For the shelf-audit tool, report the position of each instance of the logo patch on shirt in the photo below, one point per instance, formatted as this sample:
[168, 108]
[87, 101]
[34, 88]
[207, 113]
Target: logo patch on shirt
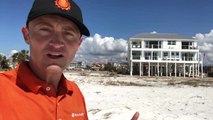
[63, 4]
[77, 115]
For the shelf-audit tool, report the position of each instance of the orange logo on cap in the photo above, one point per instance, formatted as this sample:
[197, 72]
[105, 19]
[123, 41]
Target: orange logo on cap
[63, 4]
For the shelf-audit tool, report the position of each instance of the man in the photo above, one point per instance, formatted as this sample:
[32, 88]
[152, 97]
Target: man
[37, 89]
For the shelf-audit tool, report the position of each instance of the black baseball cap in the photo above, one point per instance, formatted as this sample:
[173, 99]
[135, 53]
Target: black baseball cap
[65, 8]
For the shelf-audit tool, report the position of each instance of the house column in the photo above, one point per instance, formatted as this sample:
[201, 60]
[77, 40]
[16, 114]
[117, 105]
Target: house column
[179, 69]
[161, 53]
[193, 70]
[184, 70]
[131, 68]
[166, 69]
[149, 67]
[198, 68]
[161, 72]
[202, 67]
[196, 71]
[190, 69]
[130, 54]
[158, 69]
[140, 68]
[175, 69]
[199, 60]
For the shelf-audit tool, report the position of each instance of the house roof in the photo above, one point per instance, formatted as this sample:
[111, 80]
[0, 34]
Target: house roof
[161, 35]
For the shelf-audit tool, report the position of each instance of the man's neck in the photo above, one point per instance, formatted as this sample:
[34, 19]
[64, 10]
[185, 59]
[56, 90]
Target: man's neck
[53, 79]
[52, 74]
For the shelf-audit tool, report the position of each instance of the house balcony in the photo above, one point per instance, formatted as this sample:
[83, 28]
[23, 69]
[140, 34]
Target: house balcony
[187, 47]
[139, 58]
[136, 46]
[153, 46]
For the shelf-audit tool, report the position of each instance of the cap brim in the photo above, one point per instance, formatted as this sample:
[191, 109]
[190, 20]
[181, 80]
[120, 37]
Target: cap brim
[83, 29]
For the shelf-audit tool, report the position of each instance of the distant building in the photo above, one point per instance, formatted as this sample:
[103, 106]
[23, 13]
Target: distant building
[76, 65]
[97, 66]
[158, 54]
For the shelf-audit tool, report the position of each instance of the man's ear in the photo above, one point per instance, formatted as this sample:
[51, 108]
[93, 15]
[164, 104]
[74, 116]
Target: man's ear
[25, 33]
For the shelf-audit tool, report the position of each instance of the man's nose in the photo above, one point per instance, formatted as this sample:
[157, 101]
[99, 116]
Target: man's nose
[56, 41]
[56, 45]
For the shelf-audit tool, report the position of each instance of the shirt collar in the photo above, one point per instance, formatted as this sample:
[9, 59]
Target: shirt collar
[28, 81]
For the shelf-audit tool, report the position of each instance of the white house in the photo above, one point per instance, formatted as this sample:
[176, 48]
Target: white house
[159, 54]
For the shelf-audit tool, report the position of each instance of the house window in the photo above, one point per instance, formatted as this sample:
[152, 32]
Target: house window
[171, 42]
[153, 44]
[147, 55]
[188, 56]
[147, 44]
[155, 56]
[175, 54]
[136, 55]
[165, 54]
[136, 44]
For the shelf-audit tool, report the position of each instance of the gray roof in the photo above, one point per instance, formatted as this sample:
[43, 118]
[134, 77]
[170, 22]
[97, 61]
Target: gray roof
[161, 35]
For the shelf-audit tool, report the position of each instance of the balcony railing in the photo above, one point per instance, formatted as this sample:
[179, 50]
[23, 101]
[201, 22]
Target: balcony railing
[136, 57]
[187, 59]
[189, 47]
[151, 58]
[153, 46]
[136, 46]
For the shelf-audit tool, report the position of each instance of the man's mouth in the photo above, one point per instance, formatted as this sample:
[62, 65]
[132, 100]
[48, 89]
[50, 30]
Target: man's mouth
[55, 56]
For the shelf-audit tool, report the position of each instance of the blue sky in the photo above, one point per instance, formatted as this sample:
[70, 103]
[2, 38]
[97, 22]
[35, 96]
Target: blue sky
[124, 18]
[119, 19]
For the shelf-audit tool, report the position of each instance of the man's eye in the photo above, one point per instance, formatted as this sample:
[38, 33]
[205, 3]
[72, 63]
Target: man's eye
[68, 33]
[70, 37]
[44, 31]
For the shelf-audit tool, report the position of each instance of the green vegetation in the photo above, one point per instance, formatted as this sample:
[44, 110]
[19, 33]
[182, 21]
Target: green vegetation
[9, 63]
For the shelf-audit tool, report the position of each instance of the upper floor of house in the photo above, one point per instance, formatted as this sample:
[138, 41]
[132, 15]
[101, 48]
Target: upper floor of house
[162, 41]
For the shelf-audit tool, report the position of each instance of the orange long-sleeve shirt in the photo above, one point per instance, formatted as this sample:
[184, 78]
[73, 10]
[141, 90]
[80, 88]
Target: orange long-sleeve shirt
[25, 97]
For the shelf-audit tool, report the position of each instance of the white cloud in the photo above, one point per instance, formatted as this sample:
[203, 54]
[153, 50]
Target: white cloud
[205, 38]
[205, 42]
[105, 49]
[153, 32]
[8, 55]
[2, 54]
[13, 52]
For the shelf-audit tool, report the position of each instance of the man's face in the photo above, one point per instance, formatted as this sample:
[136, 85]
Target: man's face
[53, 40]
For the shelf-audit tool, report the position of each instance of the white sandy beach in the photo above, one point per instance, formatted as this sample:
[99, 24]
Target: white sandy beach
[119, 97]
